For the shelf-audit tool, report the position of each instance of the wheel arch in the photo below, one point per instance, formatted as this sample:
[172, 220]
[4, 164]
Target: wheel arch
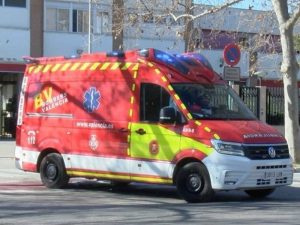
[182, 163]
[184, 157]
[44, 153]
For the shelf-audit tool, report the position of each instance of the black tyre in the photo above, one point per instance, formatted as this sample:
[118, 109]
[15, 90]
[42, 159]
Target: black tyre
[52, 171]
[193, 183]
[260, 193]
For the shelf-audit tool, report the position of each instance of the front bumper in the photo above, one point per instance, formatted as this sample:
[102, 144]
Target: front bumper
[235, 172]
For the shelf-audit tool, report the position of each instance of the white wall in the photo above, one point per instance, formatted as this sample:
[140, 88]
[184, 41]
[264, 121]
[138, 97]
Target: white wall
[14, 44]
[172, 46]
[14, 17]
[14, 33]
[67, 44]
[268, 66]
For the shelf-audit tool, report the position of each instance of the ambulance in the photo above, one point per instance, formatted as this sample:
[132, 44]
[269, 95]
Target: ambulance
[145, 116]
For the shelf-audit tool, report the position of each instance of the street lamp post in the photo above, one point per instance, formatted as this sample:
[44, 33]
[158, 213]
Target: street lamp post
[90, 27]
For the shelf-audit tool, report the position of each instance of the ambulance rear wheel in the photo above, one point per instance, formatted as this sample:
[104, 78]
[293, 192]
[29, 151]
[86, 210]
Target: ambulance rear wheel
[52, 171]
[193, 183]
[260, 193]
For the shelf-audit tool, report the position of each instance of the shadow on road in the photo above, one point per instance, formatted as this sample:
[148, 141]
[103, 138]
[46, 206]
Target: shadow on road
[288, 194]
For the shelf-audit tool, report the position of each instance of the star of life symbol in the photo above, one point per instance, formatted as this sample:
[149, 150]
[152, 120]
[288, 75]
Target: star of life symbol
[93, 143]
[91, 100]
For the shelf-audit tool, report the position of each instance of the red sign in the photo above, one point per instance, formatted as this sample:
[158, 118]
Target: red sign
[232, 54]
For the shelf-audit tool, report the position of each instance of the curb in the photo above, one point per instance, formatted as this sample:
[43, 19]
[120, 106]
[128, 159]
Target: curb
[296, 168]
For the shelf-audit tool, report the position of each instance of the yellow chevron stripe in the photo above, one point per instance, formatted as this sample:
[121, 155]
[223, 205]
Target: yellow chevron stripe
[189, 116]
[75, 66]
[115, 66]
[198, 123]
[65, 67]
[105, 66]
[170, 88]
[55, 68]
[176, 96]
[217, 136]
[84, 66]
[31, 68]
[207, 129]
[132, 99]
[126, 66]
[135, 67]
[38, 68]
[135, 74]
[94, 66]
[133, 87]
[157, 71]
[164, 79]
[46, 68]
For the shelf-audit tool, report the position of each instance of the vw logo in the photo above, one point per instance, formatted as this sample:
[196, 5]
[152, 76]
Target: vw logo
[272, 152]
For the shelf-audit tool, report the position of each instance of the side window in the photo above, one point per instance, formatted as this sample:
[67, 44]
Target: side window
[153, 98]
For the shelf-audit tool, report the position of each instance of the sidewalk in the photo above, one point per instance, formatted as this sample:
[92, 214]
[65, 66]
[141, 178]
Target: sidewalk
[7, 149]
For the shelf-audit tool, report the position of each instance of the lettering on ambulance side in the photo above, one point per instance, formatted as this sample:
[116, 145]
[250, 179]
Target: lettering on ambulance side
[46, 101]
[259, 135]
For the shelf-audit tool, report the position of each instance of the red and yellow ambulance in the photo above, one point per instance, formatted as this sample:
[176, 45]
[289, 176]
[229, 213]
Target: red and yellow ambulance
[145, 116]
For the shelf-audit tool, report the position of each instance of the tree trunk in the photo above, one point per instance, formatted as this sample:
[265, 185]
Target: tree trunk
[289, 69]
[188, 29]
[117, 25]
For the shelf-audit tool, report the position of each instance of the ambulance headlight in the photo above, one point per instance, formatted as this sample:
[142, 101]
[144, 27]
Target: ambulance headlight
[228, 148]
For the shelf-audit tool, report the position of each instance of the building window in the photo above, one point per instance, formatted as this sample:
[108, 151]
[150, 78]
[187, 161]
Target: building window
[14, 3]
[102, 21]
[57, 19]
[80, 21]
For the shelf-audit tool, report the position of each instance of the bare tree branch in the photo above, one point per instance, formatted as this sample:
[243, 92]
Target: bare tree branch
[206, 12]
[295, 16]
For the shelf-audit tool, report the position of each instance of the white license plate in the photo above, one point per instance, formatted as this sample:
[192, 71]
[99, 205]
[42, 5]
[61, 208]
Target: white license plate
[273, 174]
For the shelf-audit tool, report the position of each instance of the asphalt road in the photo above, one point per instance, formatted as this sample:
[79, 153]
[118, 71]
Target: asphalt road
[23, 200]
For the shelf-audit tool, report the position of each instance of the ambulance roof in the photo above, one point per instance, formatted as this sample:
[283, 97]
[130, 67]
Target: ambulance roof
[187, 67]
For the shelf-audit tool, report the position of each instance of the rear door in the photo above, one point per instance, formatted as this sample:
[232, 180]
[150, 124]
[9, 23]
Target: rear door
[100, 134]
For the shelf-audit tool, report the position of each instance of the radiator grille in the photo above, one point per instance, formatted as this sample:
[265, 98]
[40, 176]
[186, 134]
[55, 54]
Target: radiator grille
[261, 152]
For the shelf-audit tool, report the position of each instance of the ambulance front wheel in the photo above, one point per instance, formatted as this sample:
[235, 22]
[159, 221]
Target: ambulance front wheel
[193, 183]
[52, 171]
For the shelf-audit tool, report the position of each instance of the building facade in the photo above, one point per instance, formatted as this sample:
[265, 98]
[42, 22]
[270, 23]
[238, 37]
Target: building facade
[60, 28]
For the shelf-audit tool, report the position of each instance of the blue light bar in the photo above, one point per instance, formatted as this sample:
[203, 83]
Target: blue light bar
[118, 54]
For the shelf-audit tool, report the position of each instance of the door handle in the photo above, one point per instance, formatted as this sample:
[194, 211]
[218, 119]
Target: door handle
[140, 131]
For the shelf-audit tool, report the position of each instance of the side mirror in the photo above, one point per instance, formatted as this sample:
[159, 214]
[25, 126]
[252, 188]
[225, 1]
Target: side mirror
[167, 115]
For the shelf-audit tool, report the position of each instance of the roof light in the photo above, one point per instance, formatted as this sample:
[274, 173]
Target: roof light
[115, 54]
[72, 57]
[144, 52]
[29, 59]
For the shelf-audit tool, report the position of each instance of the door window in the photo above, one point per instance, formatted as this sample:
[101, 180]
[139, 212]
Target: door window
[153, 99]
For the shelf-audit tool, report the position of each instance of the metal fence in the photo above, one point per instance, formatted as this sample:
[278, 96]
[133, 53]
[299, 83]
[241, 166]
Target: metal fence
[250, 96]
[275, 106]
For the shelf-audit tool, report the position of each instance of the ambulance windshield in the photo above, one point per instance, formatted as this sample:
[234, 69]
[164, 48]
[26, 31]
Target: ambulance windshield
[209, 101]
